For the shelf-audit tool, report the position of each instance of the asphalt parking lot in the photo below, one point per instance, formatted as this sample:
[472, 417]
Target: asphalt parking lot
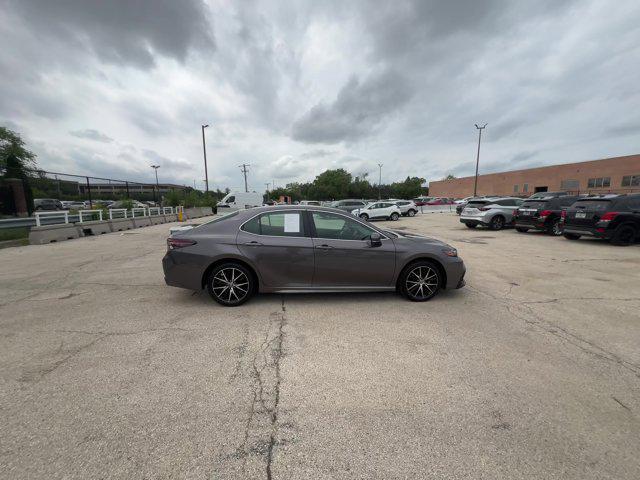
[531, 371]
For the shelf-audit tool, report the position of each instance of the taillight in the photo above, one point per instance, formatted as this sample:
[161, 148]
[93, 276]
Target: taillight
[607, 217]
[563, 215]
[545, 213]
[515, 212]
[484, 209]
[173, 243]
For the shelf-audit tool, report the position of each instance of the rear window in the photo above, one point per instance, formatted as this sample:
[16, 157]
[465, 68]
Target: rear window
[536, 204]
[477, 203]
[596, 205]
[219, 219]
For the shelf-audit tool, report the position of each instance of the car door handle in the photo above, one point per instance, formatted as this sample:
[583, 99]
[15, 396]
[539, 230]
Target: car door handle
[252, 243]
[324, 247]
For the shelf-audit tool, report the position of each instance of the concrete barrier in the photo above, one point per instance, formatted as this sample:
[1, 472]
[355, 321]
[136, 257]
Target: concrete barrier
[207, 211]
[121, 224]
[93, 228]
[156, 219]
[191, 213]
[171, 217]
[53, 233]
[141, 222]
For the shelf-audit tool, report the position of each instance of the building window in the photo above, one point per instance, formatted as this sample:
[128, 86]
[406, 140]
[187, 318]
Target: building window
[631, 181]
[570, 185]
[599, 182]
[516, 188]
[525, 188]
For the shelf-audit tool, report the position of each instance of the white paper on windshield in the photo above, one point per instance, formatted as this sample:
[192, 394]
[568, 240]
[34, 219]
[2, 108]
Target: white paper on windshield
[292, 223]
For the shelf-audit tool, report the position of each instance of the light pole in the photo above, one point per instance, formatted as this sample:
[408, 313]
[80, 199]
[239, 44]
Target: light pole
[475, 183]
[156, 167]
[204, 150]
[379, 180]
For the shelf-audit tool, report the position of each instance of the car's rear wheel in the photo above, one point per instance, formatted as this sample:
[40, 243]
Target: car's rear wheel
[522, 229]
[571, 236]
[623, 236]
[555, 228]
[497, 223]
[364, 216]
[230, 284]
[420, 281]
[394, 216]
[411, 213]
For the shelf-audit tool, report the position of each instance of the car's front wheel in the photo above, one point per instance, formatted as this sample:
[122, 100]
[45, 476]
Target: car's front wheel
[230, 284]
[364, 216]
[411, 213]
[420, 281]
[555, 228]
[394, 216]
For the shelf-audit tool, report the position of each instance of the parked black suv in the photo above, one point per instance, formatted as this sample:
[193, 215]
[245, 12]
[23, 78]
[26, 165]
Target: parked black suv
[612, 217]
[543, 213]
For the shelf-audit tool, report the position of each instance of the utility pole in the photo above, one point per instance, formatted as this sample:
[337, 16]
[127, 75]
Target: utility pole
[157, 190]
[204, 150]
[243, 167]
[267, 193]
[380, 180]
[475, 183]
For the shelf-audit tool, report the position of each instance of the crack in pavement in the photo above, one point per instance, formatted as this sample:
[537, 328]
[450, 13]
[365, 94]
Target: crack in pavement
[262, 420]
[532, 318]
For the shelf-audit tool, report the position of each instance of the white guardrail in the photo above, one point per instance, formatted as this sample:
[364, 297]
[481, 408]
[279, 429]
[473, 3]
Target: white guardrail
[134, 210]
[154, 209]
[65, 213]
[117, 210]
[82, 212]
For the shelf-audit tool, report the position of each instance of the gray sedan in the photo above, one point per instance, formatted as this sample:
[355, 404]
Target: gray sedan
[305, 249]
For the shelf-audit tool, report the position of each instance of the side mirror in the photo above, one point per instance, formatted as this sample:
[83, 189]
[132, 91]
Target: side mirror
[375, 240]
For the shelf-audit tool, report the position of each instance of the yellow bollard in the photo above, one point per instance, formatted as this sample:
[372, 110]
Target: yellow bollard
[180, 216]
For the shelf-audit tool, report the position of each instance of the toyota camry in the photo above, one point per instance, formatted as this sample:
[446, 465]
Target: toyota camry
[306, 249]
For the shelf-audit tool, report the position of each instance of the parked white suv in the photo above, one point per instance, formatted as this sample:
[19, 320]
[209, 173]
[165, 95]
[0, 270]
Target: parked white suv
[375, 210]
[407, 207]
[495, 213]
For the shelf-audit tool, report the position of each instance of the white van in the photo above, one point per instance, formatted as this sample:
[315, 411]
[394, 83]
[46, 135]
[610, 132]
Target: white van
[241, 200]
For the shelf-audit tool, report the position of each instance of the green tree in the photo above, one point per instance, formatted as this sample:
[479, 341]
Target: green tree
[15, 160]
[450, 177]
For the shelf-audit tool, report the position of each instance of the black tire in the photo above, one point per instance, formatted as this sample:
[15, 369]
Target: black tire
[522, 229]
[471, 225]
[555, 227]
[226, 273]
[624, 235]
[394, 217]
[411, 213]
[364, 217]
[497, 223]
[420, 281]
[571, 236]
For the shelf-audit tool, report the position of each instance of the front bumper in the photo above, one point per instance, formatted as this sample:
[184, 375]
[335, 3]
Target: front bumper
[455, 270]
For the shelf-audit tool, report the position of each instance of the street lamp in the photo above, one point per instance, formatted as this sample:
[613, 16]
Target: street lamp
[475, 184]
[156, 167]
[204, 150]
[380, 180]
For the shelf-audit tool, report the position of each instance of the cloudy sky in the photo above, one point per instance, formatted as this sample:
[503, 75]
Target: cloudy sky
[293, 88]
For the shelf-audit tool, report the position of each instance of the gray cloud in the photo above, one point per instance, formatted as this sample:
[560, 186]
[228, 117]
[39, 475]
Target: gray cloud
[92, 134]
[358, 109]
[123, 31]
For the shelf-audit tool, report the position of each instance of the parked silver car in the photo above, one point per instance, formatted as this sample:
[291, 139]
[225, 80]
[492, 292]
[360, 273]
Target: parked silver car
[495, 213]
[303, 249]
[407, 208]
[349, 205]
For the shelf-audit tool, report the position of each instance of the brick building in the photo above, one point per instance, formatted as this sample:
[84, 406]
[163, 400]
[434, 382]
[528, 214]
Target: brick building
[609, 175]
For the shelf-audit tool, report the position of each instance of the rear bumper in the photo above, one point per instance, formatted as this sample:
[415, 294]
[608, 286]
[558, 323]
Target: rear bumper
[180, 272]
[590, 232]
[530, 225]
[469, 220]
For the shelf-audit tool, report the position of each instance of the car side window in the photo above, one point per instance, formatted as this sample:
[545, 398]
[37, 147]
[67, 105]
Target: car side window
[276, 224]
[337, 227]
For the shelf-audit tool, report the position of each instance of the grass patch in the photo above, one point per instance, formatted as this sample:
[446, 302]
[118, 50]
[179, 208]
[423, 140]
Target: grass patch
[13, 233]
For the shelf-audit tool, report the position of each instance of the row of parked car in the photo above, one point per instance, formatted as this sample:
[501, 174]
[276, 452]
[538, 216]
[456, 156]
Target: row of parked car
[611, 217]
[52, 204]
[390, 209]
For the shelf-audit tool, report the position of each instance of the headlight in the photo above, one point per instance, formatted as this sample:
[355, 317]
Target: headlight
[450, 252]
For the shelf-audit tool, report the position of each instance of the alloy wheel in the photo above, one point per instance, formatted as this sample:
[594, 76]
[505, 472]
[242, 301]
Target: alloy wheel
[421, 283]
[230, 285]
[411, 213]
[556, 228]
